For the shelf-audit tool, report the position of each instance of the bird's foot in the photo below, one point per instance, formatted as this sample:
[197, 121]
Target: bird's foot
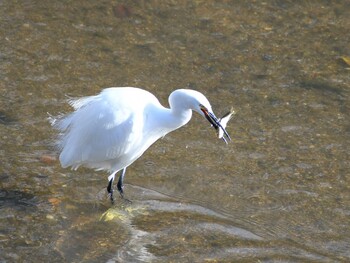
[121, 192]
[110, 195]
[126, 200]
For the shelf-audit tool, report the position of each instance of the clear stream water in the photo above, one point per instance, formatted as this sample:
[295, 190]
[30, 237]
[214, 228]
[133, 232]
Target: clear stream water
[278, 193]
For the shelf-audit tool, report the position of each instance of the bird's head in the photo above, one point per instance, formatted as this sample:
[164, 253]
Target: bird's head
[194, 100]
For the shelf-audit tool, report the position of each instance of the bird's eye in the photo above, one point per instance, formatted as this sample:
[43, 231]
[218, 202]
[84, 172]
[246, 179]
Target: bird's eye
[203, 108]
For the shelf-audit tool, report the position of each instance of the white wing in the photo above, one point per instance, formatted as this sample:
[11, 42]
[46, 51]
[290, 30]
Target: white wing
[104, 129]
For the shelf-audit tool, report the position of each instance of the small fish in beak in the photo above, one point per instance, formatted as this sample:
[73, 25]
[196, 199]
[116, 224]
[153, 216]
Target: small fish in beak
[215, 122]
[223, 123]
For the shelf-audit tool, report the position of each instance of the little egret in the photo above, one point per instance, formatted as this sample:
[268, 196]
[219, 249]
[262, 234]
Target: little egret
[111, 130]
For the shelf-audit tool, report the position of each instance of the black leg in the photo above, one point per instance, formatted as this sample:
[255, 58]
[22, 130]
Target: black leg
[110, 189]
[120, 183]
[119, 186]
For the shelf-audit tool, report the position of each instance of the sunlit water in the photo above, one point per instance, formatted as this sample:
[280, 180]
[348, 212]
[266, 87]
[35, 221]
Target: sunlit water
[278, 193]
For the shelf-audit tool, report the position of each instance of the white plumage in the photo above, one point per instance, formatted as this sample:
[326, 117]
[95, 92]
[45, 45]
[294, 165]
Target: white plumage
[111, 130]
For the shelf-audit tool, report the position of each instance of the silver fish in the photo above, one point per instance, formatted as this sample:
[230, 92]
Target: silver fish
[223, 121]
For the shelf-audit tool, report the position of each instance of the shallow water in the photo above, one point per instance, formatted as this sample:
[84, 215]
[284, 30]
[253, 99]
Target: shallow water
[278, 193]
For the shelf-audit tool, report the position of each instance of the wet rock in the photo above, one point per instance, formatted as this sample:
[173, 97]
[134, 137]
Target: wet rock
[121, 11]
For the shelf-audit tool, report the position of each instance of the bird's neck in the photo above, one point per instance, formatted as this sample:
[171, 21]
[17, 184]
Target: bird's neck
[171, 119]
[178, 118]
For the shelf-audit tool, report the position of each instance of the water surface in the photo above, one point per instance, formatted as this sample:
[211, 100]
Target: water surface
[278, 193]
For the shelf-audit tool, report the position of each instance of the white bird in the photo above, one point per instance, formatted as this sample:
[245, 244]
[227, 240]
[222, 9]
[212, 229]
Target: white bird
[111, 130]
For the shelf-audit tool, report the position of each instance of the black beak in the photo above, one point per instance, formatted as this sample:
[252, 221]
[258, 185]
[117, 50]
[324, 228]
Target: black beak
[216, 123]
